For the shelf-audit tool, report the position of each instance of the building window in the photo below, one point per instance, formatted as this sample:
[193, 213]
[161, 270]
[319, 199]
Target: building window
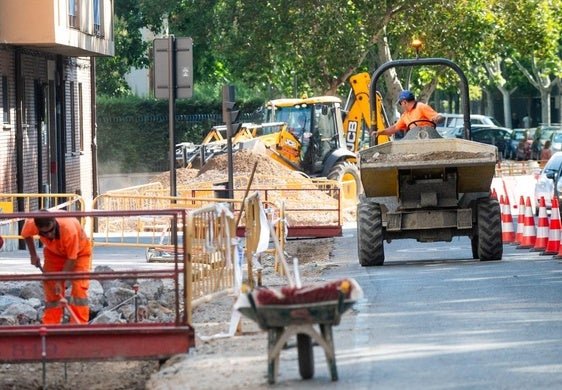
[81, 117]
[72, 118]
[5, 100]
[98, 17]
[73, 13]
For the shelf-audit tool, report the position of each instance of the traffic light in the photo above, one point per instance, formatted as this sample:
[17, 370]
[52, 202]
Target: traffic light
[230, 114]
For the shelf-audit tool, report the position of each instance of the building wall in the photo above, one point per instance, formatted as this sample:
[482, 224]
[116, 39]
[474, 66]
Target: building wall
[46, 57]
[7, 133]
[75, 140]
[81, 157]
[33, 70]
[47, 24]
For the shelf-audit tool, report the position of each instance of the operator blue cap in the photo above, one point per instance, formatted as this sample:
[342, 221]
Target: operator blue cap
[406, 95]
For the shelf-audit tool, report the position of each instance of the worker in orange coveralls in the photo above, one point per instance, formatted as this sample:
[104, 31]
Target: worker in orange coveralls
[67, 249]
[413, 111]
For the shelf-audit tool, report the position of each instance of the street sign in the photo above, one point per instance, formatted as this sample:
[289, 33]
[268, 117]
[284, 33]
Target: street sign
[184, 68]
[182, 59]
[161, 65]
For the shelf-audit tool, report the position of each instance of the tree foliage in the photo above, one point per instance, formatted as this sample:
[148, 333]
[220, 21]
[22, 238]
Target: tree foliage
[131, 49]
[288, 47]
[531, 31]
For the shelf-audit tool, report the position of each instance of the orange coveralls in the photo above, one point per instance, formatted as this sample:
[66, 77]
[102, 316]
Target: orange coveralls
[418, 112]
[70, 242]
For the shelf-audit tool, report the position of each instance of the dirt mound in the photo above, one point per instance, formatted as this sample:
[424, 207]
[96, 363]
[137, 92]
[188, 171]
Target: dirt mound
[269, 174]
[216, 169]
[243, 163]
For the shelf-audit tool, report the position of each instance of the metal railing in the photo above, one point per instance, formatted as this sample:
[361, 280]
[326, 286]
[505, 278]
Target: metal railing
[153, 339]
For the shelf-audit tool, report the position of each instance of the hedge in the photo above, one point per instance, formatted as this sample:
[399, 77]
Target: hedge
[132, 133]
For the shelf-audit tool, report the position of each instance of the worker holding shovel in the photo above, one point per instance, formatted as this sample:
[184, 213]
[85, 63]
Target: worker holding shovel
[66, 249]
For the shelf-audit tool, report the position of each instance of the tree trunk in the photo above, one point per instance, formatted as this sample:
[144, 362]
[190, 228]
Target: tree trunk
[393, 84]
[545, 106]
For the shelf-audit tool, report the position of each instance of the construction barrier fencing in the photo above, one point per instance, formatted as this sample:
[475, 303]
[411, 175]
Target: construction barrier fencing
[143, 230]
[260, 221]
[519, 168]
[211, 236]
[213, 254]
[313, 207]
[9, 228]
[139, 189]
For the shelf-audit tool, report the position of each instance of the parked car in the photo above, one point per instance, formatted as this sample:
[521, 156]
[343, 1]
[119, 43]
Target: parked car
[549, 184]
[552, 132]
[545, 133]
[516, 136]
[491, 135]
[556, 140]
[476, 119]
[498, 136]
[453, 121]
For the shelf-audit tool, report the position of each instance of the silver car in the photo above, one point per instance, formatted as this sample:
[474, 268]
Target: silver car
[548, 183]
[556, 141]
[452, 122]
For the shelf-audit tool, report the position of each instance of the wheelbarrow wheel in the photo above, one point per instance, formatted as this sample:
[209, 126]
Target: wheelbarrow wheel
[306, 356]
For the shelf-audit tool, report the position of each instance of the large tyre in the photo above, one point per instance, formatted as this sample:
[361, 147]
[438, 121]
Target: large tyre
[306, 356]
[345, 171]
[369, 233]
[488, 218]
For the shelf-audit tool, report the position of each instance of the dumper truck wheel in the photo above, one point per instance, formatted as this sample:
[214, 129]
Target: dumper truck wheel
[369, 233]
[348, 173]
[489, 237]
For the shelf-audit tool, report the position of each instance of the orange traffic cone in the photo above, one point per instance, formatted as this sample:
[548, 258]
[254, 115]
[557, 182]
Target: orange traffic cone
[494, 194]
[542, 228]
[508, 234]
[529, 230]
[506, 200]
[520, 221]
[553, 245]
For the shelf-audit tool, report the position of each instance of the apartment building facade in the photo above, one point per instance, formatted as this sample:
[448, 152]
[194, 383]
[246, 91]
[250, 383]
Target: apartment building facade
[47, 93]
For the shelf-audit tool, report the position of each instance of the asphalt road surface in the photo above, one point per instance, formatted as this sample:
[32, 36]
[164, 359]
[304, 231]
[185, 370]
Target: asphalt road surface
[431, 318]
[434, 318]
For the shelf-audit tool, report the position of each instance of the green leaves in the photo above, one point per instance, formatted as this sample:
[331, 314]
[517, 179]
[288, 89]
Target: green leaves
[289, 47]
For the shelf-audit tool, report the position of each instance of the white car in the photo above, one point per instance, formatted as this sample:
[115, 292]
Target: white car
[548, 185]
[556, 142]
[454, 121]
[477, 119]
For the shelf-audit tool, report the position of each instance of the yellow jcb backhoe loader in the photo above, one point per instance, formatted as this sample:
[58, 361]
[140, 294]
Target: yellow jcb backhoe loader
[307, 135]
[358, 122]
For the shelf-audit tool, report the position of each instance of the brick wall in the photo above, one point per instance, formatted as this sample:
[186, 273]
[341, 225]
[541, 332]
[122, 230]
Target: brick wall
[74, 142]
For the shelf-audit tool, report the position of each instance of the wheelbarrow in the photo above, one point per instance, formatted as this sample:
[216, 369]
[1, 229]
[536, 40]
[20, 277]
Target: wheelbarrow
[296, 312]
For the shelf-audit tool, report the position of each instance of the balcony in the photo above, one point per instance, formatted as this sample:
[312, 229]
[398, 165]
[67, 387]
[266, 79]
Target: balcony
[49, 26]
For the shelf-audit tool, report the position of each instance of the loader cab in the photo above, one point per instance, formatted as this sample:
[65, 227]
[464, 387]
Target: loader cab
[316, 125]
[326, 135]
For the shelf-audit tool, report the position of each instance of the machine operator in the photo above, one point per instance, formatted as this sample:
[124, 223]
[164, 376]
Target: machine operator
[412, 110]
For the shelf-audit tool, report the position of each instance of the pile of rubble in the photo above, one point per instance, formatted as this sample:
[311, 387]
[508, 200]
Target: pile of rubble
[299, 193]
[216, 169]
[428, 156]
[110, 301]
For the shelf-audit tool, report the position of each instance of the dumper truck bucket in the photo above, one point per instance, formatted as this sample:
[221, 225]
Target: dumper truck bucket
[379, 165]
